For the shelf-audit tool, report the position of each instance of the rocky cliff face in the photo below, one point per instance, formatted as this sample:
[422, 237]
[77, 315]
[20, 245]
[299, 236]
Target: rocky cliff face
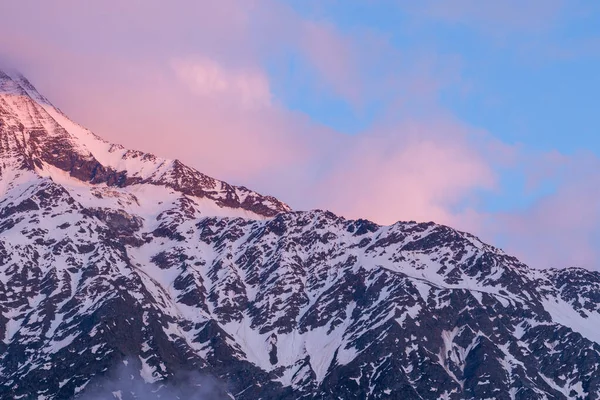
[124, 275]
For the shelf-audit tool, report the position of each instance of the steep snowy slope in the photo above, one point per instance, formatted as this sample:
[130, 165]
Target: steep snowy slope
[112, 259]
[40, 139]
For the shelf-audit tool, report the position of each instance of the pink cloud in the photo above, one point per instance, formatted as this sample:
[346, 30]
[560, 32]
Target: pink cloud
[561, 229]
[412, 171]
[208, 79]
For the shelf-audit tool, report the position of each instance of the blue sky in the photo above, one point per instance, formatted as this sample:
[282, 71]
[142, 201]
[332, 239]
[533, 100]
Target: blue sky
[533, 85]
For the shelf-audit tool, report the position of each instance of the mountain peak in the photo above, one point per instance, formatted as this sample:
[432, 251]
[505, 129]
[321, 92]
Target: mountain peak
[38, 137]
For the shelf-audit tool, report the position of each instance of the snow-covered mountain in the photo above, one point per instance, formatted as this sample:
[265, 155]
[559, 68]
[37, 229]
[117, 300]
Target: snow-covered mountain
[124, 275]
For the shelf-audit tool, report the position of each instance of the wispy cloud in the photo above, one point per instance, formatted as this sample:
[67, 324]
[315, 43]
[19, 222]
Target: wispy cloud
[208, 79]
[125, 381]
[559, 229]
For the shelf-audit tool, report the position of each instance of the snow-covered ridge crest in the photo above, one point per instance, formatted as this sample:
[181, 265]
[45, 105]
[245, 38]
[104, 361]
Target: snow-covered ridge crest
[36, 136]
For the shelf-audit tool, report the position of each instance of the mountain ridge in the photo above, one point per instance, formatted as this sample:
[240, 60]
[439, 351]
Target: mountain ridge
[109, 260]
[48, 137]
